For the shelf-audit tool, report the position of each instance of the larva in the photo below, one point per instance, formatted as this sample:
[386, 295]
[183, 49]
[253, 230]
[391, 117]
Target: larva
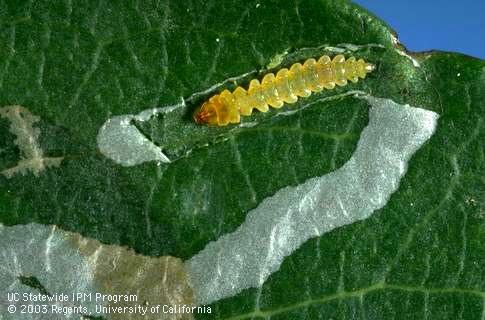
[299, 81]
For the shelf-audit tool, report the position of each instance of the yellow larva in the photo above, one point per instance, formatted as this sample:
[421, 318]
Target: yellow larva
[299, 81]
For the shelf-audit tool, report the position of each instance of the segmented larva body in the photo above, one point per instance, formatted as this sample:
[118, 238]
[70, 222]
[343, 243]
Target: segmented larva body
[299, 81]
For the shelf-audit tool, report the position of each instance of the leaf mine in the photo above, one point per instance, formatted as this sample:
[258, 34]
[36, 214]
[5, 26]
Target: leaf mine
[65, 262]
[32, 157]
[283, 222]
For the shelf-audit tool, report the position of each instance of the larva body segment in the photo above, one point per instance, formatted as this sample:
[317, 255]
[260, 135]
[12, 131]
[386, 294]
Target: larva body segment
[284, 87]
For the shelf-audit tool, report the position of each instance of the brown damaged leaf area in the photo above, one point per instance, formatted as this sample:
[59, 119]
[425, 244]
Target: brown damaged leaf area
[32, 156]
[154, 280]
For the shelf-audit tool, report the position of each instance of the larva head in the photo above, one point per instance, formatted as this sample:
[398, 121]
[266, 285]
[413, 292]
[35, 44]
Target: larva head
[207, 113]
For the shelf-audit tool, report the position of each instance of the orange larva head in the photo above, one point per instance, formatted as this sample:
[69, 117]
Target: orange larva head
[207, 113]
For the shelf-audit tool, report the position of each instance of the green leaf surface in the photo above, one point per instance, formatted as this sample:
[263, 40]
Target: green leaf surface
[76, 64]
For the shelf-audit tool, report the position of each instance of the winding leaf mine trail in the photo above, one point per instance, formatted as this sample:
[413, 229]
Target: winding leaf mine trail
[121, 141]
[283, 222]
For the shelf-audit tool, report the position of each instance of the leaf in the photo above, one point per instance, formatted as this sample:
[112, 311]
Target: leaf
[75, 65]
